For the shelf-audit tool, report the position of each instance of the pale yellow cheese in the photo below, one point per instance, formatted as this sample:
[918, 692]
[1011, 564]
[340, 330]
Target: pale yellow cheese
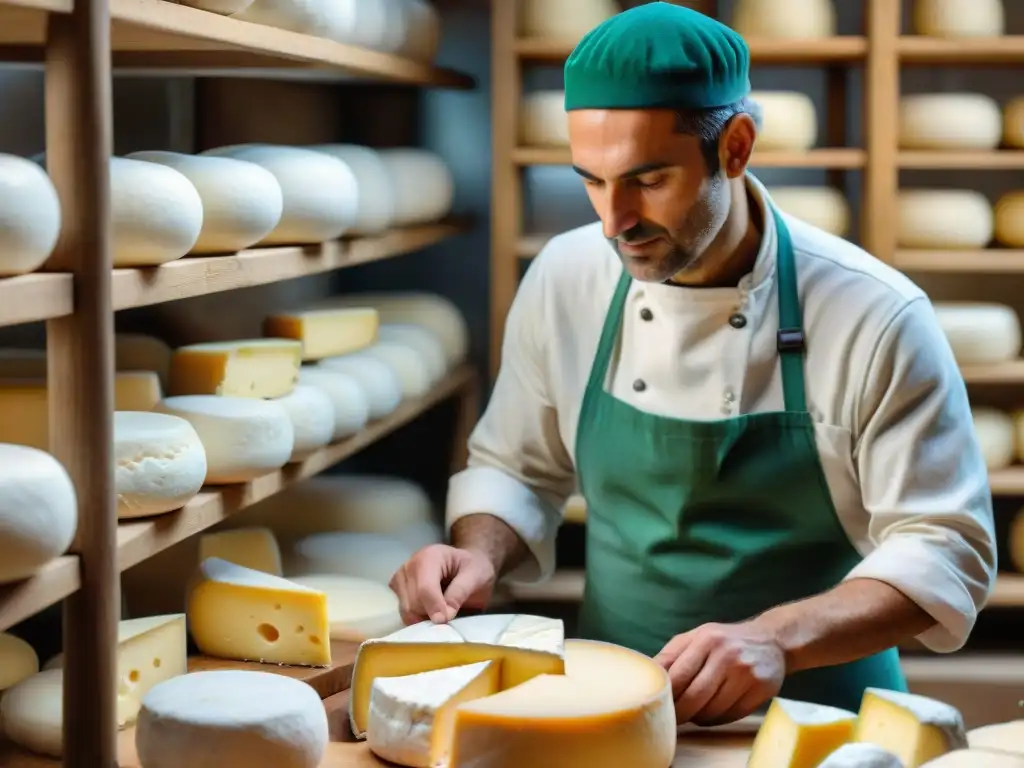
[1001, 737]
[261, 368]
[1016, 539]
[253, 547]
[326, 332]
[139, 352]
[18, 660]
[243, 614]
[799, 734]
[914, 728]
[977, 758]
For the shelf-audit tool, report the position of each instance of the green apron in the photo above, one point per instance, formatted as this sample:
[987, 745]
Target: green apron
[691, 522]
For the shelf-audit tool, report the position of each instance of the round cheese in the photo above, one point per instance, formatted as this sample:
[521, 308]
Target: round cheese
[861, 755]
[823, 207]
[312, 414]
[1016, 533]
[424, 341]
[996, 435]
[320, 18]
[412, 370]
[242, 201]
[358, 609]
[543, 121]
[31, 479]
[319, 193]
[423, 184]
[797, 19]
[385, 25]
[18, 660]
[223, 7]
[31, 713]
[375, 197]
[159, 463]
[1009, 219]
[976, 758]
[944, 219]
[380, 384]
[30, 216]
[243, 437]
[949, 121]
[1002, 737]
[564, 20]
[423, 31]
[139, 352]
[1013, 123]
[364, 555]
[349, 400]
[789, 120]
[231, 719]
[980, 333]
[959, 18]
[157, 213]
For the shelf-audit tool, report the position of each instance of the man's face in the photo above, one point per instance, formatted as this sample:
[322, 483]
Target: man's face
[650, 186]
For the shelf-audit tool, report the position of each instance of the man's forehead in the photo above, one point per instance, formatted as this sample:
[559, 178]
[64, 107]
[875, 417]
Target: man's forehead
[609, 144]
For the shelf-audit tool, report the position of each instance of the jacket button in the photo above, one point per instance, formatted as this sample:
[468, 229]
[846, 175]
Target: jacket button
[639, 385]
[646, 314]
[737, 320]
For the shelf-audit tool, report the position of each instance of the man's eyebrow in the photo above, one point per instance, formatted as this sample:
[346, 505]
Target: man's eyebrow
[639, 170]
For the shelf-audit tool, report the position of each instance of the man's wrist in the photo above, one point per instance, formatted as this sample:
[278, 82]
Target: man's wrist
[492, 537]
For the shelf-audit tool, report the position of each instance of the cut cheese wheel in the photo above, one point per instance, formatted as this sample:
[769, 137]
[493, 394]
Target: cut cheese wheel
[996, 435]
[364, 555]
[157, 213]
[223, 7]
[31, 479]
[980, 333]
[959, 18]
[244, 614]
[823, 207]
[22, 363]
[232, 719]
[379, 382]
[789, 120]
[30, 216]
[861, 755]
[18, 660]
[319, 193]
[243, 437]
[245, 368]
[423, 184]
[945, 219]
[424, 31]
[423, 340]
[358, 609]
[527, 646]
[914, 728]
[1016, 542]
[949, 121]
[977, 758]
[800, 19]
[1013, 123]
[312, 414]
[375, 201]
[1002, 737]
[1009, 219]
[254, 548]
[326, 332]
[564, 20]
[242, 202]
[543, 119]
[139, 352]
[159, 463]
[799, 733]
[349, 400]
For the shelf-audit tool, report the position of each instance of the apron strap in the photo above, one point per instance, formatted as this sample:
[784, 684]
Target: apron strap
[790, 337]
[609, 333]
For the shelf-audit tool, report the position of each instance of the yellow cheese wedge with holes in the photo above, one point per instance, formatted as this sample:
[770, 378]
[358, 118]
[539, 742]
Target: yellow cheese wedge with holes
[263, 368]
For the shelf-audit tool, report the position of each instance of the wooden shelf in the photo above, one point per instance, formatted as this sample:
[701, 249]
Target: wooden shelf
[993, 260]
[1011, 372]
[1007, 482]
[1009, 592]
[841, 157]
[55, 581]
[995, 51]
[35, 296]
[995, 160]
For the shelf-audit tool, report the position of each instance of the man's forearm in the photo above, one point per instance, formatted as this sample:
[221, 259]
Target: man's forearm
[493, 537]
[856, 619]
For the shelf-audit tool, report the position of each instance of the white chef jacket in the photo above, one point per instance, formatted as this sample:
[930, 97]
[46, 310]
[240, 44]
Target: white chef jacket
[892, 420]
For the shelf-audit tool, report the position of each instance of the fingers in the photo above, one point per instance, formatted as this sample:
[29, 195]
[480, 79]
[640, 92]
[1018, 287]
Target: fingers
[701, 690]
[467, 583]
[746, 705]
[688, 663]
[418, 586]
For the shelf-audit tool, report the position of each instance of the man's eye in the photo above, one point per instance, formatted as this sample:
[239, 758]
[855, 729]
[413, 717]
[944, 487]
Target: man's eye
[650, 182]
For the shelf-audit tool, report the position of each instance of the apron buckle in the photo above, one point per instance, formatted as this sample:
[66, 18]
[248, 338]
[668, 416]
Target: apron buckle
[790, 340]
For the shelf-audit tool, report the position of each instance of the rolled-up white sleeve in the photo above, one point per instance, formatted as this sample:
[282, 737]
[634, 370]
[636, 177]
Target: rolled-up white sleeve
[923, 479]
[519, 469]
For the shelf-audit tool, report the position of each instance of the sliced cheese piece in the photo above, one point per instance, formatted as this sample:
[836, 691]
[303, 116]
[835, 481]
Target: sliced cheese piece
[792, 20]
[350, 401]
[423, 184]
[412, 717]
[139, 352]
[232, 719]
[365, 555]
[379, 382]
[424, 341]
[789, 120]
[980, 333]
[375, 203]
[358, 609]
[31, 479]
[977, 758]
[245, 368]
[914, 728]
[800, 734]
[312, 415]
[564, 20]
[18, 660]
[959, 18]
[325, 332]
[1016, 536]
[823, 207]
[543, 121]
[949, 121]
[244, 614]
[945, 219]
[997, 436]
[18, 363]
[613, 707]
[159, 463]
[1001, 737]
[243, 437]
[527, 646]
[30, 216]
[861, 755]
[1013, 123]
[1009, 225]
[254, 548]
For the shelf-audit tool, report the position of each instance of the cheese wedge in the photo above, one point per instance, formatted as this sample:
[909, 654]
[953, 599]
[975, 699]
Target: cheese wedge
[254, 548]
[914, 728]
[358, 609]
[262, 368]
[799, 734]
[326, 332]
[243, 614]
[977, 758]
[1002, 737]
[861, 755]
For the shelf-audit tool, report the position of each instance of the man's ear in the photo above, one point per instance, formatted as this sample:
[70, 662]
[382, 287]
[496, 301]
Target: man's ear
[736, 145]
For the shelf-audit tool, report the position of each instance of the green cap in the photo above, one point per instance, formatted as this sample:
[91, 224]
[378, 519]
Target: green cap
[657, 55]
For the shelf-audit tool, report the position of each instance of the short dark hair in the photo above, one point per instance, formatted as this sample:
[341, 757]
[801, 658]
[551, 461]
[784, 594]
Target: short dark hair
[708, 124]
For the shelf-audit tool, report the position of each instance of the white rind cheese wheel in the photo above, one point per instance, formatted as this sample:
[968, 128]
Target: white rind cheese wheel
[789, 120]
[223, 7]
[412, 371]
[159, 463]
[564, 20]
[996, 436]
[348, 398]
[1013, 123]
[30, 216]
[378, 381]
[1002, 737]
[321, 18]
[319, 193]
[929, 728]
[1009, 219]
[959, 18]
[423, 31]
[423, 340]
[423, 184]
[243, 437]
[362, 555]
[949, 121]
[33, 480]
[980, 333]
[861, 755]
[231, 719]
[312, 414]
[242, 201]
[375, 197]
[977, 758]
[157, 213]
[800, 19]
[543, 121]
[945, 219]
[31, 713]
[823, 207]
[358, 609]
[139, 352]
[19, 660]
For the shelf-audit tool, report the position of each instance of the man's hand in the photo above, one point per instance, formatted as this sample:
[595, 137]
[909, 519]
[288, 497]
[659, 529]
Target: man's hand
[439, 580]
[722, 672]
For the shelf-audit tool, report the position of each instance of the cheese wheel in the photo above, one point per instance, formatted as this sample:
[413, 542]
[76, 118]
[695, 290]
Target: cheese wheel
[543, 121]
[564, 20]
[364, 555]
[379, 382]
[423, 31]
[789, 120]
[319, 193]
[312, 415]
[358, 609]
[242, 201]
[243, 437]
[30, 216]
[223, 7]
[1002, 737]
[349, 399]
[996, 436]
[159, 463]
[139, 352]
[231, 719]
[959, 18]
[375, 197]
[423, 184]
[977, 758]
[946, 219]
[18, 660]
[385, 25]
[321, 18]
[823, 207]
[423, 340]
[1009, 219]
[31, 479]
[801, 19]
[861, 755]
[980, 333]
[31, 713]
[413, 371]
[949, 121]
[1013, 123]
[1016, 534]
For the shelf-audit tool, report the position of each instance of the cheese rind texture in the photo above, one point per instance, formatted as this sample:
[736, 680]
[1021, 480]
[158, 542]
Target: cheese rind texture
[959, 18]
[358, 609]
[980, 333]
[412, 370]
[30, 216]
[800, 20]
[1002, 737]
[977, 758]
[823, 207]
[425, 341]
[423, 184]
[944, 219]
[564, 20]
[997, 436]
[18, 660]
[232, 719]
[914, 728]
[789, 122]
[258, 368]
[254, 548]
[312, 415]
[543, 119]
[861, 755]
[325, 332]
[950, 121]
[1009, 225]
[351, 405]
[375, 204]
[378, 381]
[800, 734]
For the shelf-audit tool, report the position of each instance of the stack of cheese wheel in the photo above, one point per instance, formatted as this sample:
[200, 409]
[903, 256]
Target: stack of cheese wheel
[422, 182]
[789, 120]
[997, 435]
[30, 216]
[375, 196]
[980, 333]
[959, 18]
[949, 121]
[543, 121]
[798, 19]
[824, 207]
[563, 20]
[1009, 219]
[1013, 123]
[944, 219]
